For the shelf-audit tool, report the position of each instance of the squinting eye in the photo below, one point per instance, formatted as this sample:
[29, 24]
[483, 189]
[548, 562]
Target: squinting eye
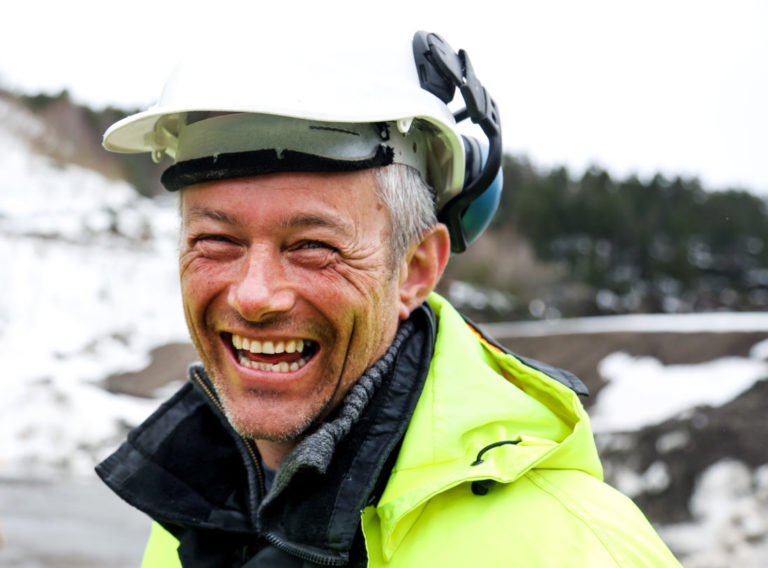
[215, 246]
[315, 244]
[211, 238]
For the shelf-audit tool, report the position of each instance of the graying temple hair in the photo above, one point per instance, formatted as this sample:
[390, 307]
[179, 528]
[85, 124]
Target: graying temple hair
[410, 202]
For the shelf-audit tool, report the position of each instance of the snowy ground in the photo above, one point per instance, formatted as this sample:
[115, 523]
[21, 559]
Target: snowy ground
[89, 287]
[68, 523]
[631, 400]
[729, 504]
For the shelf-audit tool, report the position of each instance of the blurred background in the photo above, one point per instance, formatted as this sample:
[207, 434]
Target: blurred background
[631, 245]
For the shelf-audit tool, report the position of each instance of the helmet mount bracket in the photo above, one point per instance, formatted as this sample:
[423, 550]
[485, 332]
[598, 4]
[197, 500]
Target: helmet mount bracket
[441, 71]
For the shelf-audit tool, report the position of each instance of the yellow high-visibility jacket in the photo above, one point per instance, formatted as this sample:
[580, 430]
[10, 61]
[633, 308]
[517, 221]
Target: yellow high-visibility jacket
[498, 467]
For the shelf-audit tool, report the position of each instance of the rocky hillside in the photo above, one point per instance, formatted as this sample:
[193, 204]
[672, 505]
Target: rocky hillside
[72, 135]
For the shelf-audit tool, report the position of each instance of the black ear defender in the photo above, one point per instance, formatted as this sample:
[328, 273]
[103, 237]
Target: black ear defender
[441, 70]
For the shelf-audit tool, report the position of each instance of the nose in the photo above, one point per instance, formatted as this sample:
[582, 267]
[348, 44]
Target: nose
[262, 288]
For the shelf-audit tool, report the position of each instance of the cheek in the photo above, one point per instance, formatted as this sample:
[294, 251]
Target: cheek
[197, 270]
[327, 289]
[200, 282]
[193, 292]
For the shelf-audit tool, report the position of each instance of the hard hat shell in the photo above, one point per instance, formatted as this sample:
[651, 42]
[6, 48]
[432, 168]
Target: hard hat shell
[357, 84]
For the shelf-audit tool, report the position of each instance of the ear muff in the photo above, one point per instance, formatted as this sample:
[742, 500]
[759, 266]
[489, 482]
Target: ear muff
[480, 212]
[441, 71]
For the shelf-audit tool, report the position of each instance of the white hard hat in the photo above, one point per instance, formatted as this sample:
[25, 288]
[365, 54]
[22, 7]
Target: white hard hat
[328, 91]
[295, 105]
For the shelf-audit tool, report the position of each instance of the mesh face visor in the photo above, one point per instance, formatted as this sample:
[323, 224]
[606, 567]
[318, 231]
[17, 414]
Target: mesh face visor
[213, 147]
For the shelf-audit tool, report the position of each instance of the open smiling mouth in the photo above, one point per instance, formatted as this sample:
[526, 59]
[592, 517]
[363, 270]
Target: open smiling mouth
[279, 356]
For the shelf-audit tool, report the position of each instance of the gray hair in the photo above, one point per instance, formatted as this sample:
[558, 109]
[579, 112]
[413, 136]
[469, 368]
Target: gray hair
[410, 202]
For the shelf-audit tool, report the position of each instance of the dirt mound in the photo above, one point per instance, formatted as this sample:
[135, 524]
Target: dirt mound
[581, 353]
[169, 363]
[684, 448]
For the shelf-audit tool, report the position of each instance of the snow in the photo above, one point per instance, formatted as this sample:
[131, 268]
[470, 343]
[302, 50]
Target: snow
[653, 480]
[89, 287]
[648, 323]
[632, 398]
[730, 508]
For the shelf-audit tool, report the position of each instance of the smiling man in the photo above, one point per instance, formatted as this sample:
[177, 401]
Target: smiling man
[291, 292]
[344, 414]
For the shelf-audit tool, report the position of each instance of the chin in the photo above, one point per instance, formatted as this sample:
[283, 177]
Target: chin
[267, 424]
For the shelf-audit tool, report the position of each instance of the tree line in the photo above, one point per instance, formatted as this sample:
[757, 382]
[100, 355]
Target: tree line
[660, 245]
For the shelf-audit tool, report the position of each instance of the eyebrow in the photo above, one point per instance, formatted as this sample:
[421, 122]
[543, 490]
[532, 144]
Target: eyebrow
[197, 213]
[309, 220]
[301, 220]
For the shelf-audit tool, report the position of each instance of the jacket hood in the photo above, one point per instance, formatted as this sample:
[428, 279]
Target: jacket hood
[494, 398]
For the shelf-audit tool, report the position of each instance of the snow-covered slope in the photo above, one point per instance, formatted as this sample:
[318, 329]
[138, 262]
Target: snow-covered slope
[88, 287]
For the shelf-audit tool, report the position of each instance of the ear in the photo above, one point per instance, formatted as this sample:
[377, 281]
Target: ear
[422, 268]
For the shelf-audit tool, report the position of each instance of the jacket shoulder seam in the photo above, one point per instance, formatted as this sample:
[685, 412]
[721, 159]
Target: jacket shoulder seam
[576, 511]
[560, 375]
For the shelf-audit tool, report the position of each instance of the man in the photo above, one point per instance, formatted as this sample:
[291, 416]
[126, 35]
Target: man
[344, 414]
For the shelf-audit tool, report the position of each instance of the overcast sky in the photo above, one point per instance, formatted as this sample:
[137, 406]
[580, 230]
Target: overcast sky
[635, 87]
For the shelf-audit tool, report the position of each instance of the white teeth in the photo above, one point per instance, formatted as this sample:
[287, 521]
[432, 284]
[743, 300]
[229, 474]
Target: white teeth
[282, 367]
[268, 347]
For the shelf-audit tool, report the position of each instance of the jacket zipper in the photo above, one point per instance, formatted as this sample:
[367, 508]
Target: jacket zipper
[300, 552]
[274, 540]
[260, 477]
[249, 444]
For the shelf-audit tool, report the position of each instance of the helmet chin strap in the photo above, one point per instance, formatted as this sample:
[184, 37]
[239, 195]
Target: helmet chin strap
[441, 71]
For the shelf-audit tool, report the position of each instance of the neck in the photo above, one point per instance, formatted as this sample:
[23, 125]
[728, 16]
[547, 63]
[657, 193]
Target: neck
[315, 449]
[273, 453]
